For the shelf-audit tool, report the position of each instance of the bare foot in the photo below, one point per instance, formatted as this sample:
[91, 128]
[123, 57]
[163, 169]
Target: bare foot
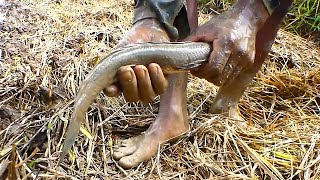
[133, 151]
[171, 122]
[226, 101]
[225, 105]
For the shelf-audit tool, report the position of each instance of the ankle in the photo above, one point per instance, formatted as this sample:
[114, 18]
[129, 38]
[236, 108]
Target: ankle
[222, 104]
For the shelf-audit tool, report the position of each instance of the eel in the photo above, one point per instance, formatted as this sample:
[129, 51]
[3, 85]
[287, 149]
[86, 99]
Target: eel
[172, 57]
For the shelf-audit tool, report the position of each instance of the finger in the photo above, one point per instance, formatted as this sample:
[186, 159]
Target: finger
[128, 83]
[204, 33]
[159, 82]
[229, 68]
[217, 60]
[244, 60]
[145, 89]
[192, 37]
[234, 73]
[112, 90]
[202, 71]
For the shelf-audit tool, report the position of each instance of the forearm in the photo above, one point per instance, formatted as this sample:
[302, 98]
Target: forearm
[258, 11]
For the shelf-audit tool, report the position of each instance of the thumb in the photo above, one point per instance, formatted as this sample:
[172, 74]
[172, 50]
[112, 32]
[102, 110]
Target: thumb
[192, 37]
[112, 91]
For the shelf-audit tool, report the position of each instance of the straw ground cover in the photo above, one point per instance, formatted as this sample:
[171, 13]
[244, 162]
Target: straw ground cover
[47, 48]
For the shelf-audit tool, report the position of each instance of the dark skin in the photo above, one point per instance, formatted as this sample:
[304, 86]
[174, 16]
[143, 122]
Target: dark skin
[135, 83]
[232, 35]
[241, 39]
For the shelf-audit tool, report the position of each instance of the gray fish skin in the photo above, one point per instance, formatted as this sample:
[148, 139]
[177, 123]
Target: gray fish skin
[172, 57]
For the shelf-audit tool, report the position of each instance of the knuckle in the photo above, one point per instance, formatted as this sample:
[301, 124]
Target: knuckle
[141, 72]
[125, 79]
[246, 52]
[122, 69]
[246, 55]
[242, 51]
[242, 48]
[228, 40]
[252, 57]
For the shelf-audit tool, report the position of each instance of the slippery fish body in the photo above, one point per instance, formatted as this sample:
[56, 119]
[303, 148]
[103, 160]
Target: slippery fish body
[170, 56]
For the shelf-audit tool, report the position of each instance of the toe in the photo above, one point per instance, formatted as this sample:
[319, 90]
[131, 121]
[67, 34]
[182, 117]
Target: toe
[143, 153]
[118, 155]
[126, 162]
[133, 160]
[126, 147]
[120, 152]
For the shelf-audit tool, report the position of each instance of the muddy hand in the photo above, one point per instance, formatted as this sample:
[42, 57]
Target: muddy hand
[233, 35]
[141, 82]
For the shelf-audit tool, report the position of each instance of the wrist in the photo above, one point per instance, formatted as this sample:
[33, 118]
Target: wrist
[253, 10]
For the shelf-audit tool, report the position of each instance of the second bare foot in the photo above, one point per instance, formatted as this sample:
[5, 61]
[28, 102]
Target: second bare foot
[224, 104]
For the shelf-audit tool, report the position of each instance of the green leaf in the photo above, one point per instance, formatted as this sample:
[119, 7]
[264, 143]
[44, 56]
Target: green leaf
[32, 164]
[50, 126]
[86, 133]
[72, 156]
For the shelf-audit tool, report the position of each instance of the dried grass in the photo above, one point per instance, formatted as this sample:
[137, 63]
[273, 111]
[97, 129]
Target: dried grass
[47, 48]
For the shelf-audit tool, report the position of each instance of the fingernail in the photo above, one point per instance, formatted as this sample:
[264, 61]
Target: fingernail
[155, 69]
[143, 73]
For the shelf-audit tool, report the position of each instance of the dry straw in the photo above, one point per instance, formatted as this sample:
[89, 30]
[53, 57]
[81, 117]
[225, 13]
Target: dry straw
[47, 48]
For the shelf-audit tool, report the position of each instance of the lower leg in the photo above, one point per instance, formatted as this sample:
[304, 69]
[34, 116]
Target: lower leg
[171, 122]
[228, 96]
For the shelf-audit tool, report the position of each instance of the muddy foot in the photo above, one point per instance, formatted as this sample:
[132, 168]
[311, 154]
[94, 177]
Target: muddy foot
[223, 105]
[133, 151]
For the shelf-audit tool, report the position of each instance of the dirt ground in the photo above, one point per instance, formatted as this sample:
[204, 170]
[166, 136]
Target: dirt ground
[46, 49]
